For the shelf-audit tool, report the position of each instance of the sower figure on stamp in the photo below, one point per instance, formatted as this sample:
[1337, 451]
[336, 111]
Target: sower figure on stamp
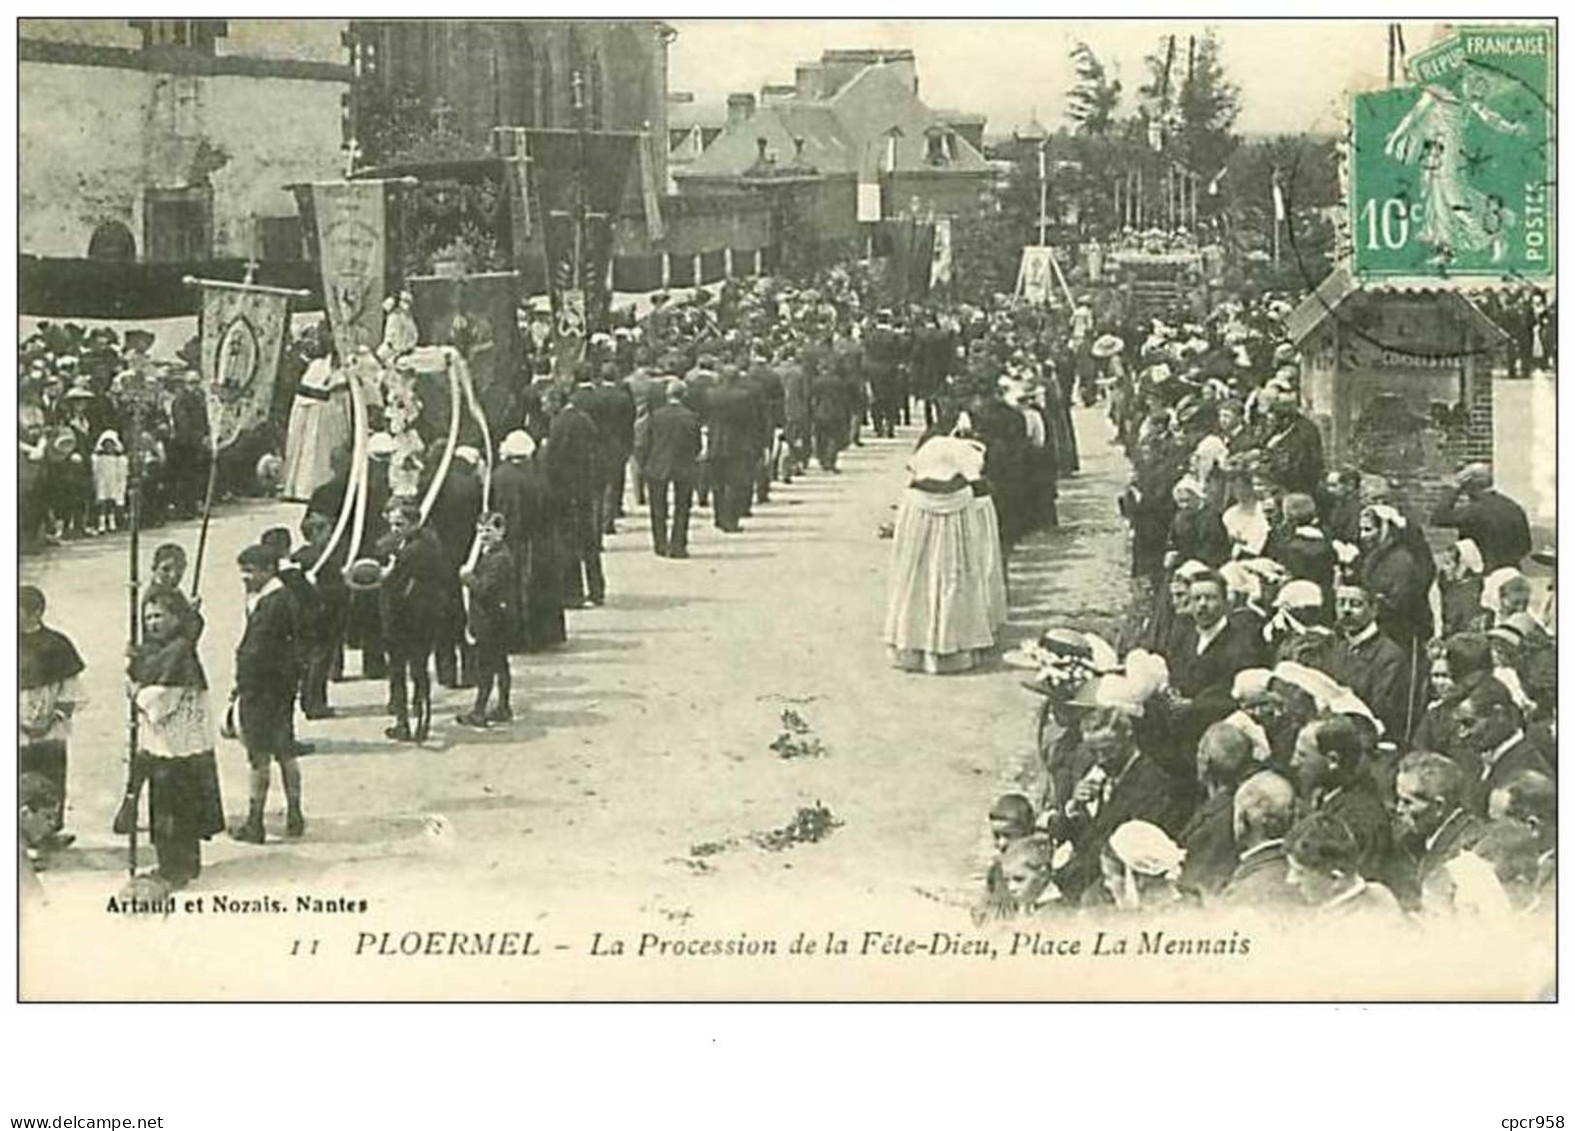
[265, 684]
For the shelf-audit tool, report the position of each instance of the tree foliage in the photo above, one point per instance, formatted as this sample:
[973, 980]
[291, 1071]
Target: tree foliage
[1192, 100]
[1095, 98]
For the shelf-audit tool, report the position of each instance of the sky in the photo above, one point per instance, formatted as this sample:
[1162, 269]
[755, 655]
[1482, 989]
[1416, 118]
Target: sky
[1291, 73]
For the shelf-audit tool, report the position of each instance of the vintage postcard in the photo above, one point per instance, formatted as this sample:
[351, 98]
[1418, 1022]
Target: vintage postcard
[786, 510]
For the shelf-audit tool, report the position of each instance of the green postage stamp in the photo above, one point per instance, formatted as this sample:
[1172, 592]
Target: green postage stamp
[1451, 173]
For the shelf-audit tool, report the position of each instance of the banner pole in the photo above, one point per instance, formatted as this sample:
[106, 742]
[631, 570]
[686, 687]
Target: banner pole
[207, 514]
[133, 736]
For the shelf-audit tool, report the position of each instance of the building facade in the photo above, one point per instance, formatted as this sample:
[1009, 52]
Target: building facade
[172, 141]
[853, 120]
[467, 77]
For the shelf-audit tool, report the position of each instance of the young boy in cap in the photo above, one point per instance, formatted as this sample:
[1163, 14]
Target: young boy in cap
[491, 583]
[265, 683]
[304, 609]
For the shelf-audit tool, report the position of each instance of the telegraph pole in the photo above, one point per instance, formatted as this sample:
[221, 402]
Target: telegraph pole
[1043, 193]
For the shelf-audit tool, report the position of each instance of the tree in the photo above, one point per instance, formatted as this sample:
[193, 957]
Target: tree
[1095, 97]
[1208, 107]
[1309, 180]
[1192, 102]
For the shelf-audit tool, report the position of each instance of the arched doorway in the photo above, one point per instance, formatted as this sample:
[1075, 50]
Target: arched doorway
[113, 241]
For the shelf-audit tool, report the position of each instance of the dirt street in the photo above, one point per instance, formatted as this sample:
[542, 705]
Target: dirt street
[641, 761]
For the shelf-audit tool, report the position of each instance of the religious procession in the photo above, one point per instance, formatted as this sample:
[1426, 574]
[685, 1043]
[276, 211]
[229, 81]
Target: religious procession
[1183, 528]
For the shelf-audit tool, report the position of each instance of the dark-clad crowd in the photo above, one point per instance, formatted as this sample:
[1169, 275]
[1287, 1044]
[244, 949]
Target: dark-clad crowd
[1307, 709]
[425, 567]
[1305, 713]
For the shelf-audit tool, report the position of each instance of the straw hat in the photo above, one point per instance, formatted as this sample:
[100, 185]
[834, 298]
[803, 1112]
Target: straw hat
[1107, 345]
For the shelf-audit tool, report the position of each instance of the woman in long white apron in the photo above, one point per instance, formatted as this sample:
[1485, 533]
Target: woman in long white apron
[946, 599]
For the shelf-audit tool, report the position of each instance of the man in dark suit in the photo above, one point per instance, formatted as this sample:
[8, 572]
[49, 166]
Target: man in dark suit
[265, 686]
[765, 382]
[1293, 446]
[1490, 726]
[1371, 664]
[831, 407]
[189, 450]
[795, 413]
[668, 451]
[1204, 660]
[847, 361]
[1495, 523]
[1224, 761]
[453, 520]
[1123, 785]
[934, 351]
[700, 381]
[1440, 832]
[574, 470]
[611, 406]
[1329, 767]
[1264, 810]
[882, 348]
[735, 425]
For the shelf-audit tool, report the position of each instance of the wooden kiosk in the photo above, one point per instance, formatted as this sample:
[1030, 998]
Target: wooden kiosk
[1398, 376]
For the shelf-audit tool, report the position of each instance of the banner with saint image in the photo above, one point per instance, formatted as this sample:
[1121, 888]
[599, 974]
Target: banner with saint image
[242, 331]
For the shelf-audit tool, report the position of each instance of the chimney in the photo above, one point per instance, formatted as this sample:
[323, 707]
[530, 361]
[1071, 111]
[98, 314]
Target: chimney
[806, 77]
[740, 108]
[760, 150]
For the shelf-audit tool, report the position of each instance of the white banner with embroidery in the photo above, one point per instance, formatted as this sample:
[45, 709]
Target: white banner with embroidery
[351, 236]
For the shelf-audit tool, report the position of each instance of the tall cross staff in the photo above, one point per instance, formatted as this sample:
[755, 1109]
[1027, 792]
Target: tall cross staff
[140, 390]
[581, 203]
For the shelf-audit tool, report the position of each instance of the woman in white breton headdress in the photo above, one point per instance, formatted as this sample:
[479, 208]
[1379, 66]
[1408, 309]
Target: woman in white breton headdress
[946, 598]
[1140, 865]
[1456, 597]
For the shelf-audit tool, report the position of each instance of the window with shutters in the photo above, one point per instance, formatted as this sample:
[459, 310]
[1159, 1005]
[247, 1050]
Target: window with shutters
[179, 224]
[201, 36]
[279, 238]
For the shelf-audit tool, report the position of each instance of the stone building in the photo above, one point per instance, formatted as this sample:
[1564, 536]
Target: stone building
[430, 92]
[470, 76]
[855, 126]
[172, 141]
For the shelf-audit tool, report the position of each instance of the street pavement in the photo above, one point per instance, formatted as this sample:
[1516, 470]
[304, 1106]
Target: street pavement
[640, 765]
